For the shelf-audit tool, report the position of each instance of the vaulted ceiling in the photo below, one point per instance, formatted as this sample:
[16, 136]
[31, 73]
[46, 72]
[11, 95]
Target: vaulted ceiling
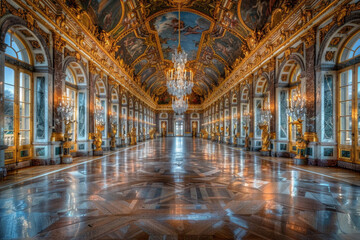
[213, 33]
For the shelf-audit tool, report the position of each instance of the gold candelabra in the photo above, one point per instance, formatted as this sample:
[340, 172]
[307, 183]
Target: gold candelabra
[100, 126]
[66, 110]
[296, 111]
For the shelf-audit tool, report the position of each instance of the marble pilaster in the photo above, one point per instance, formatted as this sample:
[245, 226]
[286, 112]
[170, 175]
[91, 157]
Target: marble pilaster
[2, 123]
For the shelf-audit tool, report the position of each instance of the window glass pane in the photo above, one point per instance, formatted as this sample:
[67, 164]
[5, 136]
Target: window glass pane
[9, 108]
[10, 52]
[24, 80]
[9, 92]
[9, 75]
[24, 137]
[344, 138]
[346, 78]
[9, 131]
[14, 45]
[9, 123]
[7, 39]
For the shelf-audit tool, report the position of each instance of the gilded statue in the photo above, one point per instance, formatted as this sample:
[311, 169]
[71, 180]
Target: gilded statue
[204, 133]
[163, 129]
[300, 141]
[133, 136]
[212, 134]
[113, 136]
[152, 133]
[247, 138]
[265, 137]
[98, 137]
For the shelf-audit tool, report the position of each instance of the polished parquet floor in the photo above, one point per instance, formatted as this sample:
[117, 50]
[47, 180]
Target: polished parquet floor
[182, 188]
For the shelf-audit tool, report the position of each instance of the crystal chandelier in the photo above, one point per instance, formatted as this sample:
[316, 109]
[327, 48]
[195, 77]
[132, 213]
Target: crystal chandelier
[180, 105]
[296, 109]
[179, 80]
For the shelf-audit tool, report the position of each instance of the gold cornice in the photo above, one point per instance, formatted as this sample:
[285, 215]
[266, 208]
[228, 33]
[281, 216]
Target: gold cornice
[229, 81]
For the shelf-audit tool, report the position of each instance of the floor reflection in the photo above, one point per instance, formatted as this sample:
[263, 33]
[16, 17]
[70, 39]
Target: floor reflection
[181, 188]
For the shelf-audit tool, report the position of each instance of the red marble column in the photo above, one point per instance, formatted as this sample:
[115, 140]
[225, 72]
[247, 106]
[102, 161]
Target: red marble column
[272, 96]
[91, 103]
[59, 81]
[309, 74]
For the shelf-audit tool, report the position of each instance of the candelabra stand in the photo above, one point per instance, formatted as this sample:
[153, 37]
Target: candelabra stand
[66, 111]
[263, 124]
[100, 126]
[246, 123]
[113, 132]
[296, 110]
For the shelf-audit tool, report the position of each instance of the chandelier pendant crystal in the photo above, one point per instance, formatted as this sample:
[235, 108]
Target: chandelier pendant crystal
[179, 80]
[180, 105]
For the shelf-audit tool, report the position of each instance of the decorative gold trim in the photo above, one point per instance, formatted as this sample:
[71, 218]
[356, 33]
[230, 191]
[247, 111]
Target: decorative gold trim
[311, 137]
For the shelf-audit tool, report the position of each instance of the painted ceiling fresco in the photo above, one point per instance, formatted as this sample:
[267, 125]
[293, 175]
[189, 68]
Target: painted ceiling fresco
[191, 28]
[213, 33]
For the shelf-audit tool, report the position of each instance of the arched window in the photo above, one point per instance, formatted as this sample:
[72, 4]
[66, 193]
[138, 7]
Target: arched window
[351, 49]
[18, 102]
[101, 98]
[75, 85]
[15, 48]
[349, 102]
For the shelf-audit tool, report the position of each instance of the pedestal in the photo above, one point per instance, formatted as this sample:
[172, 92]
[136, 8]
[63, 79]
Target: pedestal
[98, 153]
[265, 153]
[66, 159]
[112, 148]
[300, 161]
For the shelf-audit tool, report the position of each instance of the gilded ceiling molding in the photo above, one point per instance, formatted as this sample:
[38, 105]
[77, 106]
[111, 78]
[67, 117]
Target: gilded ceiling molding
[248, 64]
[60, 23]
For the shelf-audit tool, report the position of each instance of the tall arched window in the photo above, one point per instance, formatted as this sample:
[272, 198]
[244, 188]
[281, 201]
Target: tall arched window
[101, 98]
[75, 85]
[115, 108]
[349, 101]
[18, 100]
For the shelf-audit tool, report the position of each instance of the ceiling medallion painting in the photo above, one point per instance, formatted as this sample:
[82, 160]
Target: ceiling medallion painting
[191, 27]
[255, 13]
[106, 13]
[130, 48]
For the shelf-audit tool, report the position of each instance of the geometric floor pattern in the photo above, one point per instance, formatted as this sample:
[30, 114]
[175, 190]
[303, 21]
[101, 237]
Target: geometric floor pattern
[181, 188]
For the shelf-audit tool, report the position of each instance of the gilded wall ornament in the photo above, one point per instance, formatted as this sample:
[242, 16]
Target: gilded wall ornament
[39, 58]
[35, 44]
[329, 56]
